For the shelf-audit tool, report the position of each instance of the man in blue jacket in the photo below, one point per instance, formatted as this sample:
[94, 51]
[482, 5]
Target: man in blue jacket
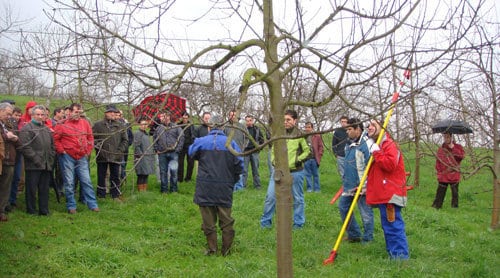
[356, 158]
[218, 171]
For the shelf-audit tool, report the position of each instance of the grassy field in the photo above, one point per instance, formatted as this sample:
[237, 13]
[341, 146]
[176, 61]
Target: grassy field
[153, 235]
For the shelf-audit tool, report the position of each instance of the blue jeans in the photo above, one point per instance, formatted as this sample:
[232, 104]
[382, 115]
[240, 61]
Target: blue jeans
[123, 168]
[71, 168]
[340, 165]
[312, 175]
[394, 234]
[299, 217]
[366, 212]
[169, 165]
[253, 160]
[239, 184]
[269, 162]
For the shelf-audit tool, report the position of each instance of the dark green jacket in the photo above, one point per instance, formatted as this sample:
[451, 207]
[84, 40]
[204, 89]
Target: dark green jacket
[110, 141]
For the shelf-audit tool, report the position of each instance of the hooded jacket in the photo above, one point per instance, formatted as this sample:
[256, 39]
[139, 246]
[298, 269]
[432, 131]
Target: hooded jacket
[26, 117]
[387, 176]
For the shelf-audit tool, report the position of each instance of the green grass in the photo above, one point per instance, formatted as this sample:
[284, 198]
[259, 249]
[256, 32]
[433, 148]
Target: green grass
[153, 235]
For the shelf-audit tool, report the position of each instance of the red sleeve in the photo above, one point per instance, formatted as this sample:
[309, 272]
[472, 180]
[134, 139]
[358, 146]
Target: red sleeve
[90, 138]
[458, 152]
[388, 156]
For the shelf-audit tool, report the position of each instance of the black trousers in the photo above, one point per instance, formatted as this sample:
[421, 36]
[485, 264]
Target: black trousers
[114, 179]
[142, 179]
[190, 165]
[37, 183]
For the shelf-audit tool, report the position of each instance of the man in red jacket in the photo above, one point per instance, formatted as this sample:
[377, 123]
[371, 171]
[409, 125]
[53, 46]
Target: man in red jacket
[74, 142]
[448, 159]
[386, 189]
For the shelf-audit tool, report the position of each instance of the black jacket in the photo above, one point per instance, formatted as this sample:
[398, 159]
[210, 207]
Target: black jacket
[339, 140]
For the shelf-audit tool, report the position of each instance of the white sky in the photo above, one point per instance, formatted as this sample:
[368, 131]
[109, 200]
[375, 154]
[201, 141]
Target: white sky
[31, 11]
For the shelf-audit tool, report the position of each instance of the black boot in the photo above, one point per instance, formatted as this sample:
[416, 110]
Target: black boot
[227, 241]
[212, 244]
[440, 193]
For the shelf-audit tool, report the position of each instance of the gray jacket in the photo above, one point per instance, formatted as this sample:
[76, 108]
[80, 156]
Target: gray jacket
[168, 138]
[239, 135]
[144, 156]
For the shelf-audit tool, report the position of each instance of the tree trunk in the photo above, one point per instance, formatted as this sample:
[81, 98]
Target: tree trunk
[283, 179]
[496, 158]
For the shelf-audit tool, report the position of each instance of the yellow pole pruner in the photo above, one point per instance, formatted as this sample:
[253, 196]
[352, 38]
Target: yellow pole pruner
[395, 97]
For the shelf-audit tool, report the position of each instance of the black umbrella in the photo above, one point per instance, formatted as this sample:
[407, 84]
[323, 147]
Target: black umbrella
[452, 126]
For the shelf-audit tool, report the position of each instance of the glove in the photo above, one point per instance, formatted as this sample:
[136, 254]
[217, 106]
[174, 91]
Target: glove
[298, 164]
[372, 146]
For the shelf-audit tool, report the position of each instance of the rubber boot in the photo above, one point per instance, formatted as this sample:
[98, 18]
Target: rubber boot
[454, 195]
[212, 244]
[227, 241]
[440, 193]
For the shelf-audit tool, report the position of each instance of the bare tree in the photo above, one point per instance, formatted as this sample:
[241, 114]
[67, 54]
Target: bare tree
[286, 54]
[9, 22]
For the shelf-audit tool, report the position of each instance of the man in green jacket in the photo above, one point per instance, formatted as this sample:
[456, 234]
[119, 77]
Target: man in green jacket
[298, 151]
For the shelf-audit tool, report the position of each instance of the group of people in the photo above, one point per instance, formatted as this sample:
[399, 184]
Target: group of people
[219, 169]
[66, 142]
[55, 152]
[385, 187]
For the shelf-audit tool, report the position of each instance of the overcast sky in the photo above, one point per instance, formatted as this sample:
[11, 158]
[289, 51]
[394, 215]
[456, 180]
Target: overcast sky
[31, 11]
[25, 10]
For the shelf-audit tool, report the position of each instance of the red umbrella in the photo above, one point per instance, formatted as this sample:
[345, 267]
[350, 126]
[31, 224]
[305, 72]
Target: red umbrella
[151, 105]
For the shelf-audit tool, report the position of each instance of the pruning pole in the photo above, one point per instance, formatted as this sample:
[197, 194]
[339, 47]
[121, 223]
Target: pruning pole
[333, 253]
